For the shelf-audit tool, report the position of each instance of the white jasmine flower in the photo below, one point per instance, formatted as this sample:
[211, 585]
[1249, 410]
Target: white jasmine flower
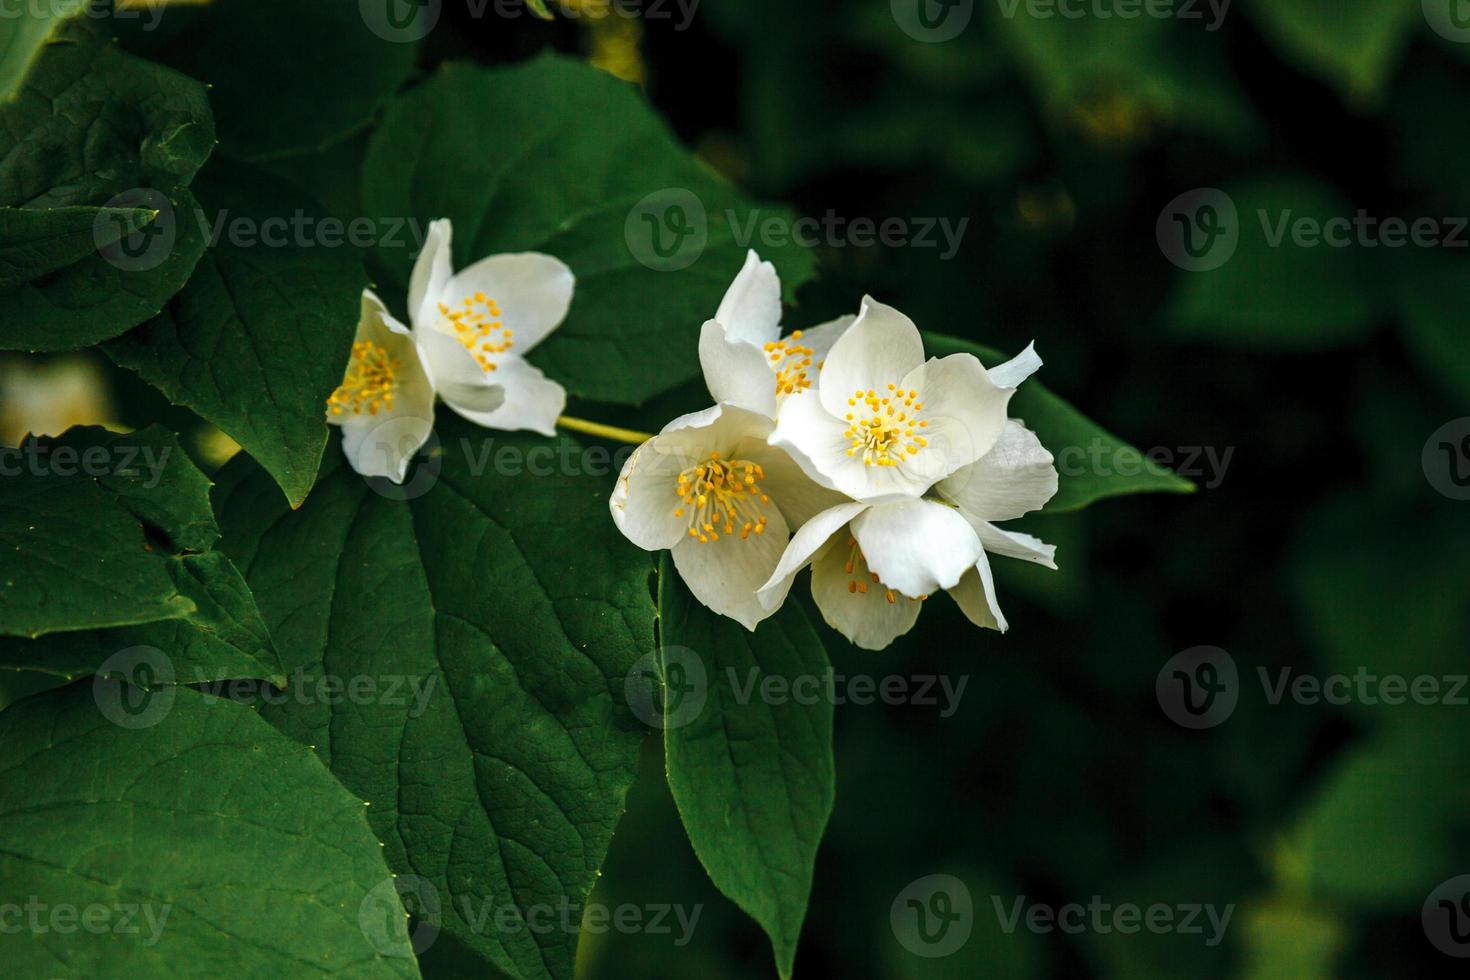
[873, 564]
[475, 326]
[745, 359]
[711, 488]
[886, 424]
[385, 404]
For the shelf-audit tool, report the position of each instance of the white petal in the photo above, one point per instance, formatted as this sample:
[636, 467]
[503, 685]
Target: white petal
[724, 429]
[1014, 544]
[458, 377]
[1017, 369]
[965, 412]
[533, 292]
[975, 595]
[798, 495]
[1016, 477]
[725, 574]
[805, 543]
[866, 618]
[735, 371]
[431, 273]
[821, 337]
[751, 308]
[917, 546]
[818, 444]
[644, 500]
[532, 400]
[881, 346]
[384, 443]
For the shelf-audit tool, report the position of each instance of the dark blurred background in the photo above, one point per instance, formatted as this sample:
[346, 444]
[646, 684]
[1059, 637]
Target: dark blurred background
[1328, 383]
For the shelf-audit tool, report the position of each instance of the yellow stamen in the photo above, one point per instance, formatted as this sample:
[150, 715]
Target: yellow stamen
[369, 384]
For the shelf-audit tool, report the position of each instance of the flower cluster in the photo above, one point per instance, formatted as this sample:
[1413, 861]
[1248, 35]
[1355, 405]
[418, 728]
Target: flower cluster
[842, 448]
[470, 331]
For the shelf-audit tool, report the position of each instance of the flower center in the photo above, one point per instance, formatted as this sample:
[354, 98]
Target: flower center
[722, 495]
[477, 325]
[882, 427]
[370, 382]
[790, 360]
[857, 567]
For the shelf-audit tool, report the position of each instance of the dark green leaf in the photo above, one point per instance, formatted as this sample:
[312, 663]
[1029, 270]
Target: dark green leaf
[1093, 464]
[34, 242]
[1353, 46]
[285, 77]
[1286, 287]
[229, 848]
[262, 333]
[509, 609]
[94, 127]
[23, 32]
[753, 776]
[482, 147]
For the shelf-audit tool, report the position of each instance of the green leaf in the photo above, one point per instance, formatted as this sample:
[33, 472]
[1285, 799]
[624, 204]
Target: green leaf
[223, 638]
[228, 847]
[1092, 463]
[1274, 293]
[34, 242]
[1355, 46]
[285, 77]
[94, 127]
[261, 334]
[538, 7]
[518, 170]
[1433, 292]
[23, 32]
[73, 555]
[752, 776]
[510, 610]
[1381, 831]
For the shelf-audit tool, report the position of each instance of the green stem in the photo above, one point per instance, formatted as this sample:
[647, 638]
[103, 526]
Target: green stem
[604, 431]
